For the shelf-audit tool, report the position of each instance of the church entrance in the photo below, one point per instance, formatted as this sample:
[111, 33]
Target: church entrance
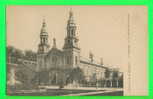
[57, 77]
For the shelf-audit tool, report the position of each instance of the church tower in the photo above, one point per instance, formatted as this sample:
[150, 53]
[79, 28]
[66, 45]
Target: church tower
[71, 49]
[43, 47]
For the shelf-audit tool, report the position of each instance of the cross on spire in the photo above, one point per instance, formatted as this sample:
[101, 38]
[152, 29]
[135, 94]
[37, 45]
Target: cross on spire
[71, 14]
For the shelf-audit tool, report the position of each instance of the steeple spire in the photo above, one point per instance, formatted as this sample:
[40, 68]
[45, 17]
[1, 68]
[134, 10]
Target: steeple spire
[71, 15]
[71, 40]
[71, 19]
[43, 29]
[43, 45]
[54, 43]
[71, 48]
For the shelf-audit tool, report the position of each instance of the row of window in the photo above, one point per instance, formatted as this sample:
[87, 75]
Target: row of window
[69, 59]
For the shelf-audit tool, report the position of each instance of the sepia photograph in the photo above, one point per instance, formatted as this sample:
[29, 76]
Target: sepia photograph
[76, 50]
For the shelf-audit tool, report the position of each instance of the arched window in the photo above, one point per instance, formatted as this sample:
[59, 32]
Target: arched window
[44, 40]
[54, 60]
[67, 60]
[76, 60]
[72, 32]
[68, 41]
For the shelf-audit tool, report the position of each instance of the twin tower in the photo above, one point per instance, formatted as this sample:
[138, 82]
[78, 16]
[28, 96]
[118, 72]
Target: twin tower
[70, 49]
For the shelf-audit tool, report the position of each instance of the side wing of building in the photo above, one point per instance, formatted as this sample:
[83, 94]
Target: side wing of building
[92, 71]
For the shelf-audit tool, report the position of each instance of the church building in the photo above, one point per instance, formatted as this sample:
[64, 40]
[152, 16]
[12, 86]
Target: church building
[49, 57]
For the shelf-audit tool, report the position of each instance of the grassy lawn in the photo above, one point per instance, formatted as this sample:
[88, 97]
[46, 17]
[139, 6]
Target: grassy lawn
[54, 92]
[117, 93]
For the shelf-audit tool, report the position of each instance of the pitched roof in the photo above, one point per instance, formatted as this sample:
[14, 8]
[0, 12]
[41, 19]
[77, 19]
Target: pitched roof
[55, 51]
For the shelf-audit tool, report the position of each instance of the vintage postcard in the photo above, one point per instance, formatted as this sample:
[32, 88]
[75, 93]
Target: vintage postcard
[77, 50]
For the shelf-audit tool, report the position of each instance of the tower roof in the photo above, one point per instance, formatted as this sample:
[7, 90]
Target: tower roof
[71, 15]
[43, 29]
[71, 18]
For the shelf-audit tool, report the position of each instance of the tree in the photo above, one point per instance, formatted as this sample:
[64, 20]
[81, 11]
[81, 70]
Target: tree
[77, 75]
[61, 78]
[10, 50]
[115, 74]
[19, 54]
[30, 55]
[22, 77]
[14, 54]
[107, 73]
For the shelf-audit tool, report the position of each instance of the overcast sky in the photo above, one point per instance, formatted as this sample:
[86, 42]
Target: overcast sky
[101, 29]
